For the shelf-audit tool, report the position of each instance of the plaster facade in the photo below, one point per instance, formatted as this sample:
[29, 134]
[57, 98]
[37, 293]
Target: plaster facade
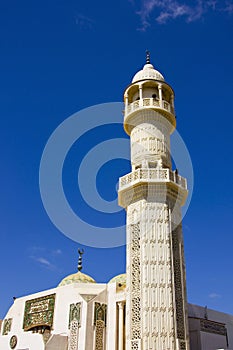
[93, 316]
[84, 317]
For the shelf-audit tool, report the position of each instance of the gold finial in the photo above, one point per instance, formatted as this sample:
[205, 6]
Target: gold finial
[147, 56]
[80, 266]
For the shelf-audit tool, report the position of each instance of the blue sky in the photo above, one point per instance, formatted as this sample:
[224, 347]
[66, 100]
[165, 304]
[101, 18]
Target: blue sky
[58, 57]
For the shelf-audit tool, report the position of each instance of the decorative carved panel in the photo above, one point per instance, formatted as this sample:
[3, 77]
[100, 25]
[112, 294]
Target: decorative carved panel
[73, 340]
[213, 327]
[135, 345]
[182, 345]
[13, 342]
[135, 288]
[100, 313]
[179, 292]
[39, 312]
[75, 314]
[100, 320]
[99, 334]
[7, 326]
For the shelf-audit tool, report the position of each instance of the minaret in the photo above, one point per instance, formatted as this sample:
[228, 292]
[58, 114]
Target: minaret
[152, 194]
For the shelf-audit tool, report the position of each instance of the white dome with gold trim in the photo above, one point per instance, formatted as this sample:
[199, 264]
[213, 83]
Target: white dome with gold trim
[120, 281]
[77, 277]
[148, 72]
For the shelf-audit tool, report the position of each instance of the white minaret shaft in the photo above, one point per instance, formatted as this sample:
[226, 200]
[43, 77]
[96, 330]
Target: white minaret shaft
[156, 306]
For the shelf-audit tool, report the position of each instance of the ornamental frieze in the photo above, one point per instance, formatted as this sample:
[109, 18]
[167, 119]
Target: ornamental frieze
[213, 327]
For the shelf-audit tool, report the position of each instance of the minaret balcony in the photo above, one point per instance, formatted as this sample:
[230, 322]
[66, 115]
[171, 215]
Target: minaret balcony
[148, 103]
[151, 176]
[148, 184]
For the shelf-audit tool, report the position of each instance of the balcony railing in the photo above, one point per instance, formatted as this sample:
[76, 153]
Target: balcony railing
[152, 175]
[148, 102]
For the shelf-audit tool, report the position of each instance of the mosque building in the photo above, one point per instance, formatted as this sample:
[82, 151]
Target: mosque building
[146, 308]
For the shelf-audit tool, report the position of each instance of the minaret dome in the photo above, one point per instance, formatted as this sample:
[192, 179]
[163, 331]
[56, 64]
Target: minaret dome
[148, 72]
[148, 91]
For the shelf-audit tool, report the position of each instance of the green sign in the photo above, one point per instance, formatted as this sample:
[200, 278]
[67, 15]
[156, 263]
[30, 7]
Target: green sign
[39, 312]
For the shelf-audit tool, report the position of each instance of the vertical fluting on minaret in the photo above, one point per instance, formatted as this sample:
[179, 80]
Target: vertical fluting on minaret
[156, 305]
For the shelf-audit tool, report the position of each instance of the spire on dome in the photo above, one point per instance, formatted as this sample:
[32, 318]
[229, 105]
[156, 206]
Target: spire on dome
[147, 56]
[80, 266]
[78, 277]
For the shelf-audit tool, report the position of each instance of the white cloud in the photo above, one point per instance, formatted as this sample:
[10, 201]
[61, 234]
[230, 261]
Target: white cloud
[44, 257]
[214, 296]
[84, 22]
[212, 4]
[43, 262]
[57, 252]
[172, 9]
[175, 10]
[169, 9]
[228, 7]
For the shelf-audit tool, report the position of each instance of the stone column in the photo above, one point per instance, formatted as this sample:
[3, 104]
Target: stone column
[172, 100]
[160, 95]
[140, 91]
[172, 103]
[126, 101]
[120, 325]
